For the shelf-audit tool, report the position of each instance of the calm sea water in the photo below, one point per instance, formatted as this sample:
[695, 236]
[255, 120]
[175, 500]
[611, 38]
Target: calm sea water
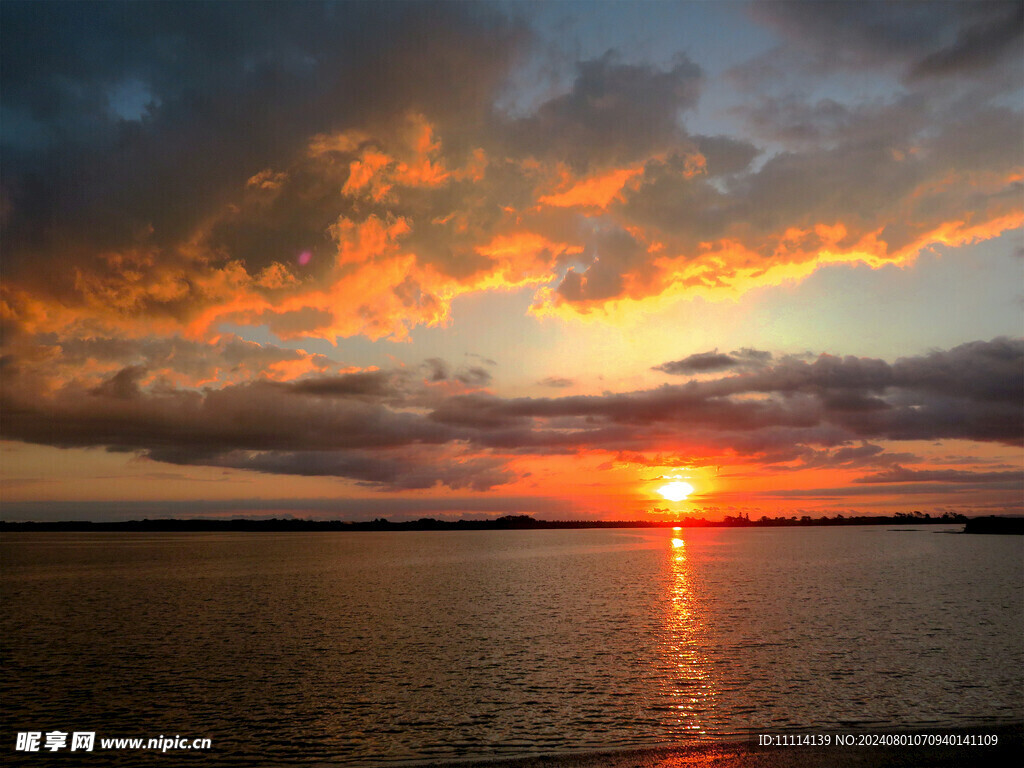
[378, 648]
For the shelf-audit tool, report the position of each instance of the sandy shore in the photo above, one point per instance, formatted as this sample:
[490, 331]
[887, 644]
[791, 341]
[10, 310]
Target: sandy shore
[1008, 753]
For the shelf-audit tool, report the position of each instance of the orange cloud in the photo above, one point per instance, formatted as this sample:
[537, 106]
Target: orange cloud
[595, 191]
[955, 233]
[364, 170]
[520, 259]
[423, 168]
[413, 229]
[727, 269]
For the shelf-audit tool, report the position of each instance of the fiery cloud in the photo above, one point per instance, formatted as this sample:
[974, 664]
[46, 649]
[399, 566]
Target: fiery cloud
[600, 197]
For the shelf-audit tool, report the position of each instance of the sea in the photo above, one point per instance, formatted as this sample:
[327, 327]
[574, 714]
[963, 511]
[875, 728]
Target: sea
[422, 647]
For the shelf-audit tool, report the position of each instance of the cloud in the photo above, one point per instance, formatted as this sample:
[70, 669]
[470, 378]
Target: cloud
[123, 385]
[173, 360]
[246, 93]
[926, 397]
[439, 370]
[990, 37]
[865, 454]
[390, 430]
[979, 371]
[145, 226]
[365, 384]
[613, 113]
[900, 474]
[701, 362]
[474, 376]
[615, 257]
[410, 469]
[922, 39]
[336, 427]
[365, 178]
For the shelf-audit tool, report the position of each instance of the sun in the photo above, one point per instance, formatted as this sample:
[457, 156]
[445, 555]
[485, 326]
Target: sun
[677, 490]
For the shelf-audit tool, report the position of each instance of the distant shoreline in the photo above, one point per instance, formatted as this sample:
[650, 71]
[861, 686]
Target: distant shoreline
[508, 522]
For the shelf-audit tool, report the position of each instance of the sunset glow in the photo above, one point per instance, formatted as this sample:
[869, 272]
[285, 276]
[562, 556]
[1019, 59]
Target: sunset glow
[597, 261]
[676, 490]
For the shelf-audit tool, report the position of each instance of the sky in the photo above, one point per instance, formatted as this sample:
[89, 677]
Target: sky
[364, 260]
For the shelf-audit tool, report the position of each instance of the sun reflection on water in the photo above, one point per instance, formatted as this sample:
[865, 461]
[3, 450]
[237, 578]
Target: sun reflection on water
[689, 687]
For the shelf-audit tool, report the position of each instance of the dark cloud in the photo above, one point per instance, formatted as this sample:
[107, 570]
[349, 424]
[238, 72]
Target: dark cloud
[795, 122]
[614, 113]
[255, 416]
[474, 376]
[386, 429]
[900, 474]
[677, 203]
[612, 255]
[702, 362]
[965, 496]
[123, 385]
[245, 83]
[858, 162]
[857, 172]
[725, 156]
[862, 181]
[406, 469]
[864, 454]
[324, 426]
[370, 384]
[980, 371]
[927, 397]
[439, 370]
[991, 32]
[197, 361]
[753, 358]
[856, 178]
[924, 39]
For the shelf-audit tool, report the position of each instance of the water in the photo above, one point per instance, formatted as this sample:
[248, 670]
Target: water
[379, 648]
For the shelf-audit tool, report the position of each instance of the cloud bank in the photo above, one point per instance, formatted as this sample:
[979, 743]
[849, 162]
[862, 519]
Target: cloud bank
[397, 430]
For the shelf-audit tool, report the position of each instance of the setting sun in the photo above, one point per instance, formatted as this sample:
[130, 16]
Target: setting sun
[676, 490]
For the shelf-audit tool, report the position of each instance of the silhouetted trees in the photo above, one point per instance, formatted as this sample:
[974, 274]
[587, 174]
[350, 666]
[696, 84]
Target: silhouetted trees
[506, 522]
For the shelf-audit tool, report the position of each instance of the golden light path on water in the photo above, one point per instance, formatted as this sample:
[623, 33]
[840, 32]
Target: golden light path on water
[691, 686]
